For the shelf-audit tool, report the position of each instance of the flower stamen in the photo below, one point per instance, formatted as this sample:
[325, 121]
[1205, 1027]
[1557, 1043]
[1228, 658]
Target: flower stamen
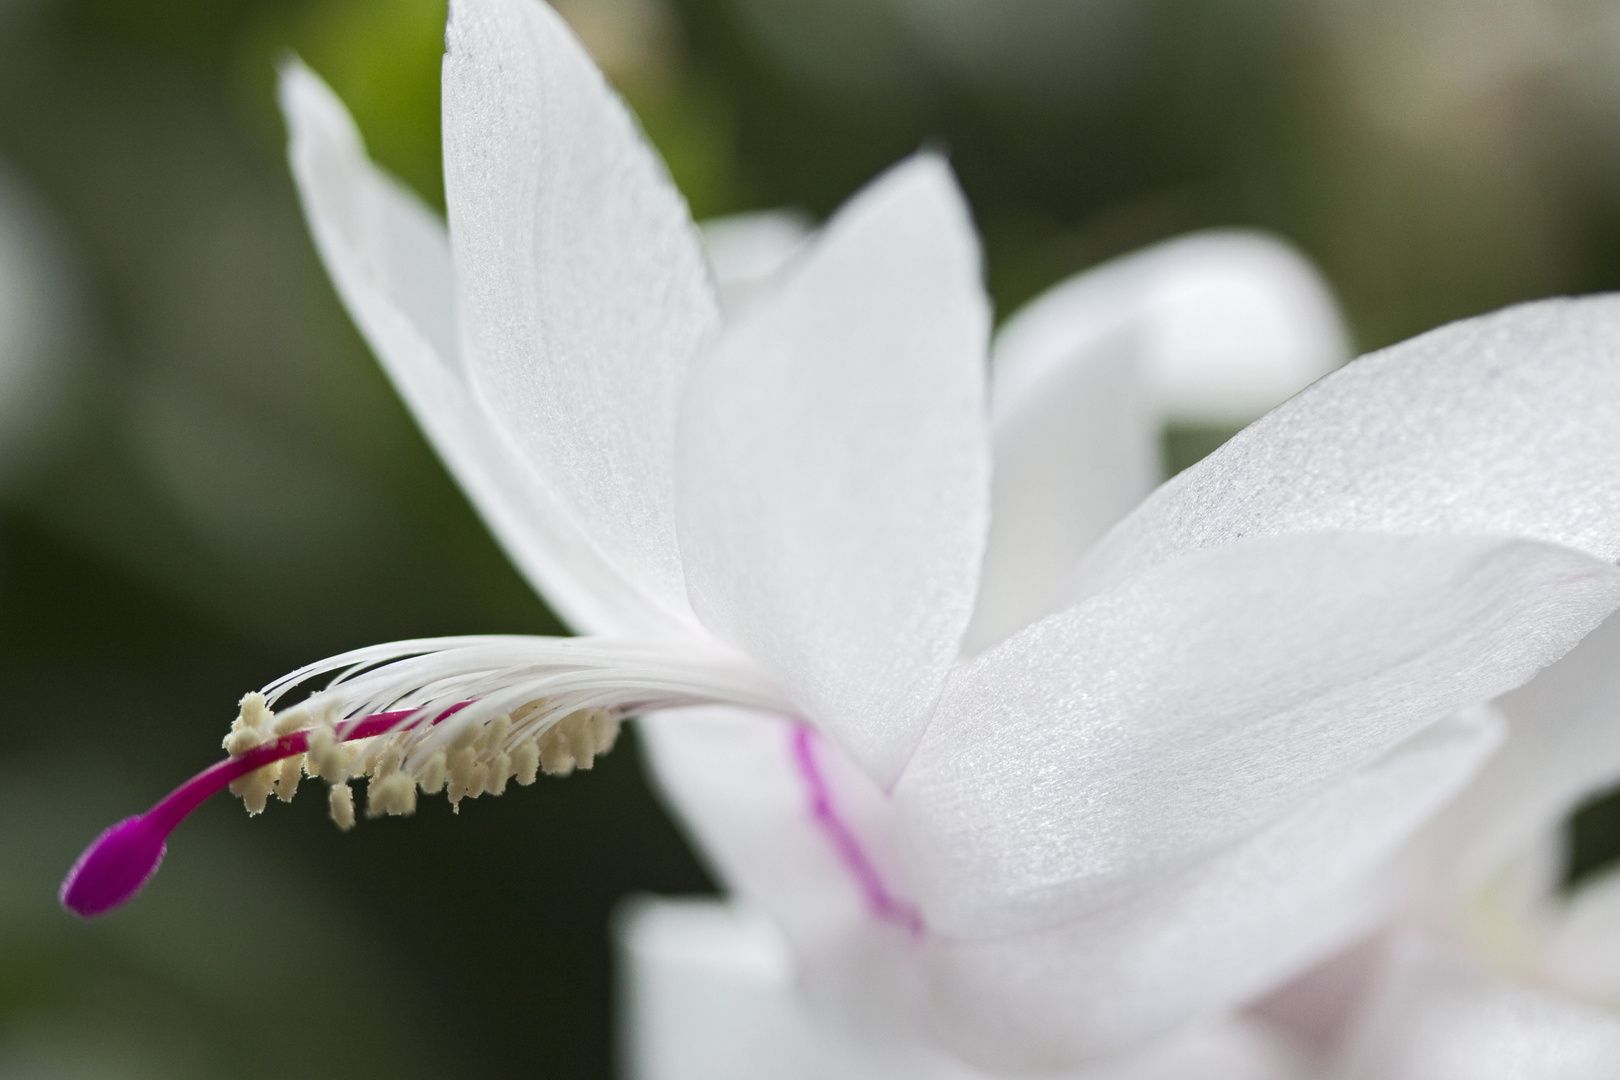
[461, 715]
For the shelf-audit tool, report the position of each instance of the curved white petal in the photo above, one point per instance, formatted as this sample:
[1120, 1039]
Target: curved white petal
[1210, 937]
[801, 833]
[1508, 423]
[584, 291]
[1114, 744]
[1563, 744]
[1433, 1017]
[833, 466]
[1241, 322]
[1224, 324]
[389, 259]
[1076, 445]
[706, 992]
[748, 251]
[1215, 327]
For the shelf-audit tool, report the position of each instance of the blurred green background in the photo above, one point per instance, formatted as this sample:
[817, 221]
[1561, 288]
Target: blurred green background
[214, 482]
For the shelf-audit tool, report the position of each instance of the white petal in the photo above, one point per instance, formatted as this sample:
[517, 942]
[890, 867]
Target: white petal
[1225, 324]
[1241, 322]
[1435, 1018]
[1504, 424]
[1211, 936]
[707, 993]
[834, 466]
[388, 257]
[1117, 742]
[584, 290]
[1233, 1048]
[748, 251]
[1215, 327]
[1076, 445]
[737, 781]
[1563, 744]
[802, 834]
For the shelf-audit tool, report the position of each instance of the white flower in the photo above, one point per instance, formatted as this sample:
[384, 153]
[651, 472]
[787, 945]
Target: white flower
[1175, 787]
[42, 322]
[1495, 969]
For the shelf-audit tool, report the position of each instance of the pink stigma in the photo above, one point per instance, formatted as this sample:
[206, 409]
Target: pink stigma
[120, 861]
[114, 867]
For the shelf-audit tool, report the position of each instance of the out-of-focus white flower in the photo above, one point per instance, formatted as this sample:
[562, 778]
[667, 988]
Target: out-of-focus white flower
[42, 328]
[1176, 786]
[1497, 970]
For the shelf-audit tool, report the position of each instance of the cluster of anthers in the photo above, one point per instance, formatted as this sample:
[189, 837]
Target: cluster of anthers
[480, 759]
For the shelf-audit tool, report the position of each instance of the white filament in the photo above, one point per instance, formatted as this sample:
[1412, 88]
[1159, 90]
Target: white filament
[537, 681]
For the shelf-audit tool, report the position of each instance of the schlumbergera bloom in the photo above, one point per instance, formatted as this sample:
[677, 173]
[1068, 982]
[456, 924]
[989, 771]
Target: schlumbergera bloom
[1176, 766]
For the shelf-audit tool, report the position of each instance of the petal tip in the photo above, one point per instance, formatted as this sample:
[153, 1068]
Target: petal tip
[308, 103]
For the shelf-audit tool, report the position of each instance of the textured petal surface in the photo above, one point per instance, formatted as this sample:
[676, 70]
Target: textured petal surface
[1223, 324]
[748, 251]
[390, 260]
[1212, 936]
[833, 474]
[1434, 1018]
[584, 289]
[1504, 424]
[1108, 747]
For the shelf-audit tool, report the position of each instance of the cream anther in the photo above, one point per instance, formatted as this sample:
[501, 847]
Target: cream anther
[526, 761]
[254, 710]
[327, 758]
[575, 741]
[254, 788]
[394, 793]
[292, 720]
[251, 728]
[494, 734]
[340, 803]
[389, 761]
[461, 769]
[497, 773]
[432, 773]
[287, 776]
